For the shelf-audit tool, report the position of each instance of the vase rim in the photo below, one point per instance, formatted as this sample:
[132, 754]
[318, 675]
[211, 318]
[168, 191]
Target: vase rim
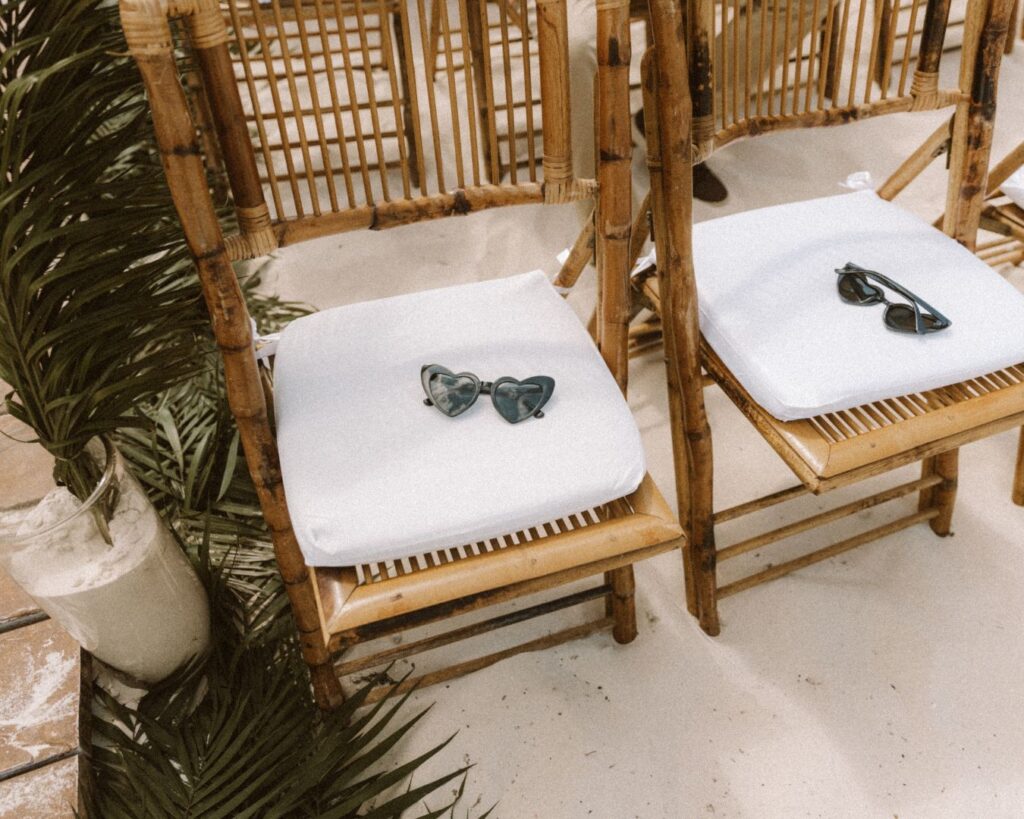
[109, 469]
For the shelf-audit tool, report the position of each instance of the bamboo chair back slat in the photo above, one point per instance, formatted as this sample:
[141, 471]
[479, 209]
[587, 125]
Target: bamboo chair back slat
[764, 65]
[351, 114]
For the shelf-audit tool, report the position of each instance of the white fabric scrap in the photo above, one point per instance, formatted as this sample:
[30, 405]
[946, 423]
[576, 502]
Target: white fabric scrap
[859, 181]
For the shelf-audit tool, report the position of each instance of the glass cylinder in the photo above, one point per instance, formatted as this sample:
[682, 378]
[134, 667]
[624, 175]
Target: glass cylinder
[107, 569]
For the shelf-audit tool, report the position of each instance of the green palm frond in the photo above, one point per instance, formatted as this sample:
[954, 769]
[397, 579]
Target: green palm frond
[99, 309]
[102, 331]
[240, 736]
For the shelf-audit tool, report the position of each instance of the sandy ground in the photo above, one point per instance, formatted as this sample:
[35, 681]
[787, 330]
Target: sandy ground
[885, 682]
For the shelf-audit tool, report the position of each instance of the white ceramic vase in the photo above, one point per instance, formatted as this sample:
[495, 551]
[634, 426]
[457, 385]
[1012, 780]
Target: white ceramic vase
[133, 600]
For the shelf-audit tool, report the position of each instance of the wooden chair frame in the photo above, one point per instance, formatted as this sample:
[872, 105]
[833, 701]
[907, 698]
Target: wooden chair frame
[336, 608]
[998, 216]
[840, 448]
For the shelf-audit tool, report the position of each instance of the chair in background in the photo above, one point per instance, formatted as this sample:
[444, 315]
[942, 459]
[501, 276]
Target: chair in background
[735, 270]
[1000, 217]
[894, 34]
[413, 518]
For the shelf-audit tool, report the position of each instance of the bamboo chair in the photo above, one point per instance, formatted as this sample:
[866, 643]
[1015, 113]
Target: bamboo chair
[1006, 219]
[999, 216]
[337, 607]
[837, 448]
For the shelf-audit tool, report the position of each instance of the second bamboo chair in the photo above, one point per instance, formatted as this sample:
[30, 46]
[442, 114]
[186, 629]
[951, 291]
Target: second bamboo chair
[385, 515]
[905, 414]
[1000, 217]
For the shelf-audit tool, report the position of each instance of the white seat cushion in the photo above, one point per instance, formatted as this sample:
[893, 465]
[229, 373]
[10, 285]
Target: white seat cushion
[371, 473]
[770, 310]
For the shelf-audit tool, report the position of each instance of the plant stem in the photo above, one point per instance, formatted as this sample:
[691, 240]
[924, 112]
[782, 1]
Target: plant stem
[81, 475]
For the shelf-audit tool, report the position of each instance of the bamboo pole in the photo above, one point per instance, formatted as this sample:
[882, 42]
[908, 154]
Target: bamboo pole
[758, 504]
[673, 234]
[613, 217]
[680, 454]
[942, 469]
[612, 222]
[1002, 170]
[985, 30]
[1018, 478]
[211, 50]
[149, 39]
[933, 36]
[934, 146]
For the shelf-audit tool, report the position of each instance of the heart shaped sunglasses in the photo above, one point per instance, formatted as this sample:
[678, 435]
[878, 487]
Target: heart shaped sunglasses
[515, 401]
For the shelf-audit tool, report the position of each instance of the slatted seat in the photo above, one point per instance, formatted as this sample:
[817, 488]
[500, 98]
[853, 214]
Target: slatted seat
[838, 448]
[843, 447]
[635, 527]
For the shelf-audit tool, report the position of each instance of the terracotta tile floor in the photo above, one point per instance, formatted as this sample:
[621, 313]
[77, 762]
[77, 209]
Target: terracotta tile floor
[40, 676]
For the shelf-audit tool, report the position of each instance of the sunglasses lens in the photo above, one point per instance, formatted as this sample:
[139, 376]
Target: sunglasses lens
[858, 290]
[901, 317]
[453, 394]
[518, 400]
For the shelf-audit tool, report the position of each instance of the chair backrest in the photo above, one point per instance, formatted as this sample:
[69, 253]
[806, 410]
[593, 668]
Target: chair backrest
[764, 65]
[329, 114]
[325, 116]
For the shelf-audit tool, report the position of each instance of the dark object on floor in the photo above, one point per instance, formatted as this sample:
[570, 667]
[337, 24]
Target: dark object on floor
[706, 185]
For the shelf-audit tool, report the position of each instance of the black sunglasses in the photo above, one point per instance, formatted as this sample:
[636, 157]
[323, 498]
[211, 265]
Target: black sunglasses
[854, 288]
[515, 401]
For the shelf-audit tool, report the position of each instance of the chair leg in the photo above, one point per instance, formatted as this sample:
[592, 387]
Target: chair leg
[326, 686]
[941, 496]
[623, 603]
[705, 579]
[1018, 478]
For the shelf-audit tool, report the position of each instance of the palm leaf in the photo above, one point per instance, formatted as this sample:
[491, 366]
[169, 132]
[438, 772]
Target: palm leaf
[101, 331]
[99, 310]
